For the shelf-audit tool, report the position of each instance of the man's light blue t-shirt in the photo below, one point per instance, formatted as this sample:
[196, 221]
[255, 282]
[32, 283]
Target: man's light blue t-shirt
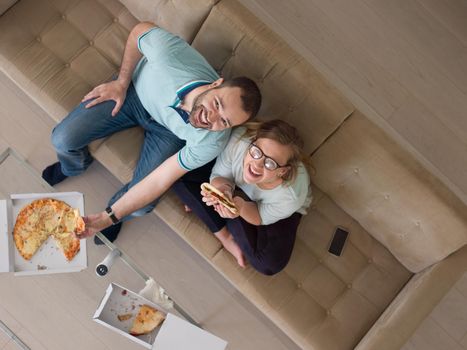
[170, 66]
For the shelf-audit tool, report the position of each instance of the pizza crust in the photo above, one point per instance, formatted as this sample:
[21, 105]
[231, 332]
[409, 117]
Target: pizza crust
[147, 319]
[47, 217]
[223, 200]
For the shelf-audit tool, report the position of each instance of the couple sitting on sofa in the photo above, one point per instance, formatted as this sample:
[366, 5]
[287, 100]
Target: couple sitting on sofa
[265, 161]
[167, 88]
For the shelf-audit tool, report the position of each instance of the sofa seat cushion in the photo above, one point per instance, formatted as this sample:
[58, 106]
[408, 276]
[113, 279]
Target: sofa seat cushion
[57, 51]
[390, 194]
[187, 225]
[119, 153]
[236, 43]
[319, 300]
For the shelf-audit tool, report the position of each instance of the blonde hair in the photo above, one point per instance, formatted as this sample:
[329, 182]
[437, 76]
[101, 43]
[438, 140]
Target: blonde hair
[285, 134]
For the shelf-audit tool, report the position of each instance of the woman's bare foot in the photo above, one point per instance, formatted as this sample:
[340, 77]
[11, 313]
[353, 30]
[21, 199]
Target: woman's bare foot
[231, 246]
[187, 209]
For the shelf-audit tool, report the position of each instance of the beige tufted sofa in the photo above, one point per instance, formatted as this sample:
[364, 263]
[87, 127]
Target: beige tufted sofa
[407, 229]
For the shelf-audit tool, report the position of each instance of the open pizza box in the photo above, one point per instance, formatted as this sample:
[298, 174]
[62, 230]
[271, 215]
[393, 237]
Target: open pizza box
[173, 333]
[48, 259]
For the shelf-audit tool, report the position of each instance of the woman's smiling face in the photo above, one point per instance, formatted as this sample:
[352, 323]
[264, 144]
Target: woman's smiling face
[255, 171]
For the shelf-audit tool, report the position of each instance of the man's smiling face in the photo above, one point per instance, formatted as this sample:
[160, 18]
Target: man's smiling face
[218, 108]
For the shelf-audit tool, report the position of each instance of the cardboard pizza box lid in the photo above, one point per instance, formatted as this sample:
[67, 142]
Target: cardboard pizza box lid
[6, 262]
[174, 333]
[48, 259]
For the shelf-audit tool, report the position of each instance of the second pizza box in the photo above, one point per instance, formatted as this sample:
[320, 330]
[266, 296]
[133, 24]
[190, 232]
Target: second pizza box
[119, 307]
[48, 259]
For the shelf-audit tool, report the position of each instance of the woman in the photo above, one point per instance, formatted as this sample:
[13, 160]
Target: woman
[265, 161]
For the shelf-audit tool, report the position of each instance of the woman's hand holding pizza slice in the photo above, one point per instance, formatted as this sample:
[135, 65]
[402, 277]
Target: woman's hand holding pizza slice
[214, 197]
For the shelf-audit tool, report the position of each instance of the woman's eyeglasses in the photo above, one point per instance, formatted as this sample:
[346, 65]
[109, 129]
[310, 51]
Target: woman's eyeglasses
[269, 163]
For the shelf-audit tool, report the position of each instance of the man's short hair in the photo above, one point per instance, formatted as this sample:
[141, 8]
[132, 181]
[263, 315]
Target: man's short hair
[251, 96]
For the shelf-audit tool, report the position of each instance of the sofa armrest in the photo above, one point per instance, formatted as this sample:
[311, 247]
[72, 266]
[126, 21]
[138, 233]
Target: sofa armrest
[414, 303]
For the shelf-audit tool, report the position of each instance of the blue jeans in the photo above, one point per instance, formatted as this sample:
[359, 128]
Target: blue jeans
[73, 134]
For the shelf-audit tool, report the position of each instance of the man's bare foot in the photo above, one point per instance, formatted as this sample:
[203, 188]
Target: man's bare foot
[187, 209]
[231, 246]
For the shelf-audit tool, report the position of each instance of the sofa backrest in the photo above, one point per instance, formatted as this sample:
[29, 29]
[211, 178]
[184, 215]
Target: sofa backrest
[183, 18]
[390, 194]
[236, 43]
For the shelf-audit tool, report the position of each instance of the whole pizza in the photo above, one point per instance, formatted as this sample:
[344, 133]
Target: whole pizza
[47, 217]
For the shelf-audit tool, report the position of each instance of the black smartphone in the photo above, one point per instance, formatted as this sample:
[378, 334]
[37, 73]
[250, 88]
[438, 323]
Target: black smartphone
[338, 241]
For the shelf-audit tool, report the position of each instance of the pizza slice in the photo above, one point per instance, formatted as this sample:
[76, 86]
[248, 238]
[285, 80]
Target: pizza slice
[147, 319]
[71, 220]
[28, 242]
[50, 214]
[70, 224]
[222, 198]
[68, 244]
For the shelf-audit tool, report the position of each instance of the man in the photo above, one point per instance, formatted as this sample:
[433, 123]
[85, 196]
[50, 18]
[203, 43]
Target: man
[185, 108]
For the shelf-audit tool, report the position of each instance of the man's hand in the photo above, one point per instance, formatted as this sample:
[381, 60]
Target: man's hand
[95, 223]
[112, 91]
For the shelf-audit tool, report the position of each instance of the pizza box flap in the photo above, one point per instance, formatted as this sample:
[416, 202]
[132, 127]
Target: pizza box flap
[6, 248]
[176, 333]
[103, 302]
[48, 259]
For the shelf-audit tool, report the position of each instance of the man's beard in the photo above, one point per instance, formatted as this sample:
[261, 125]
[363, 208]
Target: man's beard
[197, 106]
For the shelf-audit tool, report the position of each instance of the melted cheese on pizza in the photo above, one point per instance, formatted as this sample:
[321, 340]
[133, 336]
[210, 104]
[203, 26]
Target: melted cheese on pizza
[147, 320]
[43, 218]
[71, 221]
[31, 242]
